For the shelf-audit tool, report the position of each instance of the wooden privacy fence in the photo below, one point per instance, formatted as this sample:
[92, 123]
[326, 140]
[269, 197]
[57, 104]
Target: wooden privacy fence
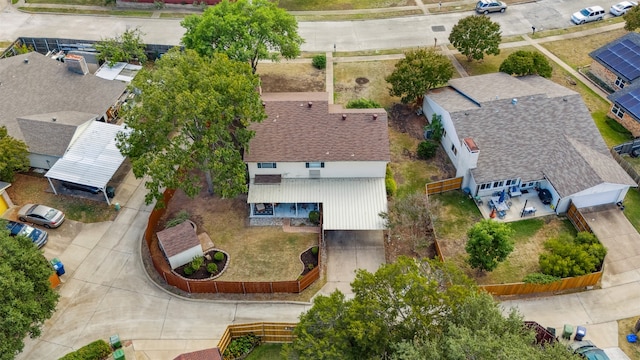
[564, 284]
[273, 332]
[626, 165]
[443, 186]
[161, 265]
[577, 219]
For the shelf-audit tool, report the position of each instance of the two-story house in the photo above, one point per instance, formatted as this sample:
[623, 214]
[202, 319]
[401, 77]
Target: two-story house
[311, 155]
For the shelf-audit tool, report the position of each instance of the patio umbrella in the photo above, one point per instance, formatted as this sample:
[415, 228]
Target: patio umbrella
[503, 196]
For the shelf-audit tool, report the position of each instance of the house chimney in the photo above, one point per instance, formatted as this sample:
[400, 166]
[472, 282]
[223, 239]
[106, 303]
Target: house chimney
[344, 116]
[375, 116]
[76, 64]
[310, 104]
[514, 101]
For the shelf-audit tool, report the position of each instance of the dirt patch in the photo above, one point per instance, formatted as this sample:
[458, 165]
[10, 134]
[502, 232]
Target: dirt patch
[291, 77]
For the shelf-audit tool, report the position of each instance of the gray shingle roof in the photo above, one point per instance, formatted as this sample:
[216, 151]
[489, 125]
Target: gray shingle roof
[44, 86]
[294, 131]
[45, 136]
[543, 134]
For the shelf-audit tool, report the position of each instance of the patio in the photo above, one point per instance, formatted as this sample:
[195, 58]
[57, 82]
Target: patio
[515, 209]
[284, 210]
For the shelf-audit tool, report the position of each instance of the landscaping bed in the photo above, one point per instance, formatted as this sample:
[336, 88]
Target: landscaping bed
[203, 271]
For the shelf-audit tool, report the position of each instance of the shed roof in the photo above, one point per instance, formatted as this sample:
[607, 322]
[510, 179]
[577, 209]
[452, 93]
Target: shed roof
[179, 238]
[547, 132]
[35, 84]
[304, 127]
[206, 354]
[92, 159]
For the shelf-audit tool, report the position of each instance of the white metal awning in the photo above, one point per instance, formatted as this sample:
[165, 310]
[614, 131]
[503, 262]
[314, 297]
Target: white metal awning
[348, 203]
[92, 159]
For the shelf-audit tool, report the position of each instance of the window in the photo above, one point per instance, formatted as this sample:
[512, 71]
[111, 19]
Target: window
[508, 182]
[315, 165]
[454, 150]
[485, 186]
[266, 165]
[498, 184]
[620, 83]
[617, 111]
[444, 133]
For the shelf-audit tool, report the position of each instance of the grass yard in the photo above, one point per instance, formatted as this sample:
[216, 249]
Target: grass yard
[454, 214]
[411, 174]
[315, 5]
[136, 13]
[625, 326]
[354, 80]
[361, 16]
[578, 56]
[266, 352]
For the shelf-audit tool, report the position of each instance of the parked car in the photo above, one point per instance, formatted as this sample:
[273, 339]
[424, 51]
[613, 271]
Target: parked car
[41, 215]
[545, 196]
[487, 6]
[588, 350]
[589, 14]
[620, 9]
[39, 237]
[81, 187]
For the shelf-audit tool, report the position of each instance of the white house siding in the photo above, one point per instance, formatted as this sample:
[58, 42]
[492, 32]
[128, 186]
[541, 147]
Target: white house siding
[40, 161]
[186, 256]
[451, 137]
[338, 169]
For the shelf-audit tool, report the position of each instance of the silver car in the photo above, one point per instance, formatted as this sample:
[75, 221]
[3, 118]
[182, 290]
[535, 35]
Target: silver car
[620, 9]
[41, 215]
[487, 6]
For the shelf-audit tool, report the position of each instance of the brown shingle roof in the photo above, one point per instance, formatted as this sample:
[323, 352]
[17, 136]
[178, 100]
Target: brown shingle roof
[179, 238]
[207, 354]
[296, 131]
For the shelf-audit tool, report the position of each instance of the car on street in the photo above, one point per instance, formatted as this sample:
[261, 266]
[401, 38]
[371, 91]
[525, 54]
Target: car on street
[593, 13]
[588, 350]
[487, 6]
[39, 237]
[621, 8]
[545, 196]
[41, 215]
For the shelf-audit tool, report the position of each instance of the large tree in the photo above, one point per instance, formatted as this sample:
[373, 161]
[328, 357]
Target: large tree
[476, 35]
[420, 71]
[127, 47]
[632, 18]
[524, 62]
[489, 244]
[192, 112]
[245, 30]
[26, 299]
[413, 309]
[14, 156]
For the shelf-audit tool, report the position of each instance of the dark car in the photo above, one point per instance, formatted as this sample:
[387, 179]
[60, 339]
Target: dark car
[545, 196]
[39, 237]
[588, 350]
[81, 187]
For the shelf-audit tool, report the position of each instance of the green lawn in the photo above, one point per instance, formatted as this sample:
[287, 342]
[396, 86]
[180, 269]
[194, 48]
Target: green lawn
[266, 352]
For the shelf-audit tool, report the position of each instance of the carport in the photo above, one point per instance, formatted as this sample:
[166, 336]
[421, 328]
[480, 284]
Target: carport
[91, 160]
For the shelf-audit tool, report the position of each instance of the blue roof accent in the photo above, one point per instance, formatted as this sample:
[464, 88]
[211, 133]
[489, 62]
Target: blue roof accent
[628, 99]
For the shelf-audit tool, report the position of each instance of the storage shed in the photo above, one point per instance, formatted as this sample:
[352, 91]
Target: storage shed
[180, 243]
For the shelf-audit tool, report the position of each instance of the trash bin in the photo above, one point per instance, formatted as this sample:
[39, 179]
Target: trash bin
[57, 266]
[567, 332]
[552, 330]
[118, 354]
[114, 341]
[111, 192]
[580, 333]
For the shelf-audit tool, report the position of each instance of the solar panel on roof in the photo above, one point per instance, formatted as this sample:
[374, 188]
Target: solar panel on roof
[623, 57]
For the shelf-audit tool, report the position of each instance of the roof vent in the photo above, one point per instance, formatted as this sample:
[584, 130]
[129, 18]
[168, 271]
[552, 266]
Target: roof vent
[310, 104]
[375, 116]
[514, 101]
[344, 116]
[26, 61]
[54, 119]
[264, 104]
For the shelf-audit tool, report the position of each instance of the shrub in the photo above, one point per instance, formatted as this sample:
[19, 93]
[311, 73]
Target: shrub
[314, 250]
[310, 266]
[390, 182]
[180, 217]
[314, 217]
[197, 262]
[96, 350]
[218, 256]
[362, 103]
[427, 149]
[212, 268]
[570, 256]
[489, 244]
[188, 270]
[319, 61]
[241, 346]
[539, 278]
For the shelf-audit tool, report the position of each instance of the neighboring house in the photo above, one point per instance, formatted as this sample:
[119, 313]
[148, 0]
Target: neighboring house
[180, 244]
[48, 104]
[617, 63]
[626, 108]
[311, 155]
[526, 132]
[5, 201]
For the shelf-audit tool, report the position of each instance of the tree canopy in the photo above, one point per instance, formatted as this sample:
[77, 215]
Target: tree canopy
[489, 244]
[127, 47]
[414, 309]
[476, 35]
[420, 71]
[632, 18]
[192, 113]
[245, 30]
[524, 62]
[26, 299]
[14, 156]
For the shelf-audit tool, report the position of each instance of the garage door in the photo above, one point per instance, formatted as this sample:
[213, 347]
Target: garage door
[607, 197]
[3, 205]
